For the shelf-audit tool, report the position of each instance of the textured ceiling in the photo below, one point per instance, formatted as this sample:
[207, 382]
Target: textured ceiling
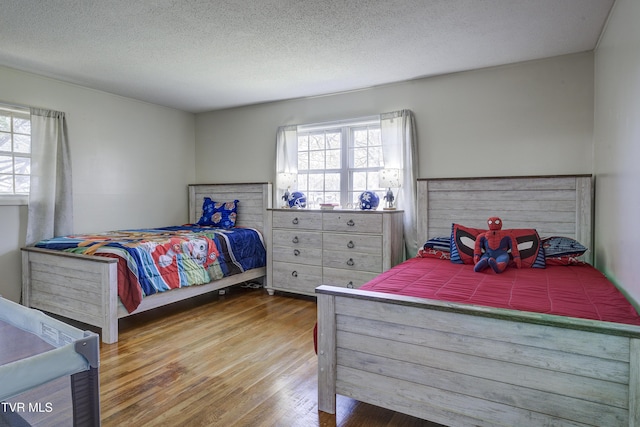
[206, 55]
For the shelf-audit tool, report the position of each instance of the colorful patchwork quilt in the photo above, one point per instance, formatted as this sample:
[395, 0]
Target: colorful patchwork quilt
[159, 259]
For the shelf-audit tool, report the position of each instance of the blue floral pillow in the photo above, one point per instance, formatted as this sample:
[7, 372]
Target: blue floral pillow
[219, 214]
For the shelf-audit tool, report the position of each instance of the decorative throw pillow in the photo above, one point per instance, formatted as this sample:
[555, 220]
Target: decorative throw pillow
[530, 247]
[439, 243]
[462, 242]
[433, 253]
[219, 214]
[559, 250]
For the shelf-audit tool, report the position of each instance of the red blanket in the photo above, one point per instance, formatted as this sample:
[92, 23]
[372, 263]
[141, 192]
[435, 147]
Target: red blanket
[574, 291]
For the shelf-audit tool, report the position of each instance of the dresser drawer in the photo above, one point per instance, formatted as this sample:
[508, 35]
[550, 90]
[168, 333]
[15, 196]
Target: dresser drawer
[296, 219]
[352, 243]
[296, 277]
[346, 278]
[308, 256]
[352, 222]
[297, 238]
[357, 261]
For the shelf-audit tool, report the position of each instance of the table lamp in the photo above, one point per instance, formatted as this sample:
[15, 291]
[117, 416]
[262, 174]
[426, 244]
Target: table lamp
[390, 178]
[286, 180]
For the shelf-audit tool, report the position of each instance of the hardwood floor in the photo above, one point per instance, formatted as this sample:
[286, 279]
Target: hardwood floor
[243, 359]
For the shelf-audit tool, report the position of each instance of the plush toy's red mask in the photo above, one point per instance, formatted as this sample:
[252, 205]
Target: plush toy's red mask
[494, 223]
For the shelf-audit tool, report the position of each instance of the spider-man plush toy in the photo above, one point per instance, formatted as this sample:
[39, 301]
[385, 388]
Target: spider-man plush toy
[496, 245]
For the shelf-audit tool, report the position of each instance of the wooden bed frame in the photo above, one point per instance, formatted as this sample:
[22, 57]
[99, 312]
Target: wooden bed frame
[465, 365]
[84, 287]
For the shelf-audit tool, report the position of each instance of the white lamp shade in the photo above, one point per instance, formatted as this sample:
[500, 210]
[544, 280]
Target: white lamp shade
[390, 178]
[287, 179]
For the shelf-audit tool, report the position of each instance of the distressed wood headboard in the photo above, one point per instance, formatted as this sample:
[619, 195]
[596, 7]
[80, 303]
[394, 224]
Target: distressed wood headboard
[254, 200]
[558, 205]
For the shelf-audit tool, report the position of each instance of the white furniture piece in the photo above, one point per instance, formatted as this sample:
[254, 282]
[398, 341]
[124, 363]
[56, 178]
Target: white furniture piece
[344, 248]
[85, 287]
[465, 365]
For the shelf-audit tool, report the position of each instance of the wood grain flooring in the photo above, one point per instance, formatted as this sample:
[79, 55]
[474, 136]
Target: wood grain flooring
[242, 359]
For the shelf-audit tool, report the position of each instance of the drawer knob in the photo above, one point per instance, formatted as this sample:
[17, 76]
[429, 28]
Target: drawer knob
[296, 252]
[295, 220]
[351, 245]
[350, 223]
[350, 284]
[294, 273]
[350, 262]
[295, 240]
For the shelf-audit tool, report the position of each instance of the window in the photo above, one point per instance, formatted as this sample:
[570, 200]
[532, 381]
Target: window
[15, 151]
[337, 162]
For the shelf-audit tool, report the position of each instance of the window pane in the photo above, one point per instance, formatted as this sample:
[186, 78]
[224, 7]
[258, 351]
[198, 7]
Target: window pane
[5, 122]
[23, 165]
[360, 158]
[302, 182]
[303, 142]
[316, 182]
[334, 140]
[6, 164]
[5, 141]
[374, 137]
[303, 160]
[353, 198]
[316, 160]
[359, 183]
[316, 142]
[333, 159]
[6, 184]
[374, 157]
[22, 143]
[22, 184]
[22, 125]
[332, 182]
[360, 138]
[332, 197]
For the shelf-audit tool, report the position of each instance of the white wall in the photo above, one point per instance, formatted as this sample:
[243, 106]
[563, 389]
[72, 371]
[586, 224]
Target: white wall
[131, 163]
[617, 147]
[529, 118]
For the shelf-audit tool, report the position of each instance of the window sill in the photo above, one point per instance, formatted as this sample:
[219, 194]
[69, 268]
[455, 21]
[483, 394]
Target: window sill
[14, 200]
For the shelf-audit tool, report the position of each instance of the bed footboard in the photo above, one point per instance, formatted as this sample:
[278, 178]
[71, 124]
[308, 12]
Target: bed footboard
[78, 287]
[462, 365]
[85, 288]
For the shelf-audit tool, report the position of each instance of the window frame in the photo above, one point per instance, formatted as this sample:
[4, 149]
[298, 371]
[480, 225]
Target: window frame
[9, 199]
[346, 129]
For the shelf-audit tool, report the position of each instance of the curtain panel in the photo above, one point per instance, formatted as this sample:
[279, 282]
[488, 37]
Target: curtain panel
[50, 211]
[286, 158]
[399, 150]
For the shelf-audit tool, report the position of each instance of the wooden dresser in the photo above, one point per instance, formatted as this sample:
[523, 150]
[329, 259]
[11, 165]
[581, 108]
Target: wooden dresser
[308, 248]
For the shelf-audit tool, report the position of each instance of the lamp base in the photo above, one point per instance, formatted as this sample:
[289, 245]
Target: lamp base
[393, 208]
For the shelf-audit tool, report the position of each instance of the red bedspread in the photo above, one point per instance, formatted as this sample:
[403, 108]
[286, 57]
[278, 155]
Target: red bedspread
[574, 291]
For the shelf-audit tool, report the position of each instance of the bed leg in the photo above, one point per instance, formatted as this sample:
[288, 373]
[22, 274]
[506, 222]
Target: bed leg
[634, 382]
[26, 280]
[326, 354]
[110, 303]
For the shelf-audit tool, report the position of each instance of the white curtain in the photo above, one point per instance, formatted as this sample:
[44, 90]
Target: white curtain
[286, 157]
[399, 150]
[50, 210]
